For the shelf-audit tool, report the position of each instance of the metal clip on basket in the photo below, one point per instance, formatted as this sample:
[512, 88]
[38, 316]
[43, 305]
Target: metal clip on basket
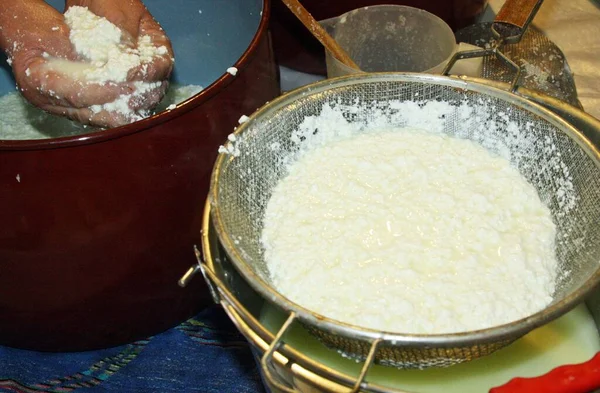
[508, 28]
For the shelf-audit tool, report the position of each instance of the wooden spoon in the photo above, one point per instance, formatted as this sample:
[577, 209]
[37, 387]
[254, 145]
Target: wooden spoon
[319, 32]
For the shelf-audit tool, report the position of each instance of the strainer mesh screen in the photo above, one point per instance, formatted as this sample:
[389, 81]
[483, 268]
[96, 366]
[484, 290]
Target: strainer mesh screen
[549, 155]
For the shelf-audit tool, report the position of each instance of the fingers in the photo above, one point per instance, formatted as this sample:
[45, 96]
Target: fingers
[161, 65]
[150, 27]
[45, 86]
[31, 24]
[86, 116]
[158, 69]
[124, 110]
[105, 105]
[148, 96]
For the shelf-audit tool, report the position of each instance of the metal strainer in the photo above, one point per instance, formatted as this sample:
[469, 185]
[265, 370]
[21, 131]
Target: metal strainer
[554, 157]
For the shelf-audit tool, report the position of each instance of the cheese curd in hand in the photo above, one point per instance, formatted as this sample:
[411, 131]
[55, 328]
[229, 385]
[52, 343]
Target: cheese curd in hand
[411, 232]
[108, 56]
[84, 63]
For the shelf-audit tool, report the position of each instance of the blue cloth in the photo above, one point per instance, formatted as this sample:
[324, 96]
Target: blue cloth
[205, 354]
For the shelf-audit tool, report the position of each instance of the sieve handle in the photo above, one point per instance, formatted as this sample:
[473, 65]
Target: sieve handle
[472, 54]
[513, 19]
[200, 266]
[223, 296]
[187, 276]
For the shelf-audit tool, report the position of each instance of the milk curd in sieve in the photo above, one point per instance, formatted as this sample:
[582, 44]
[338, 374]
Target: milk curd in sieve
[408, 231]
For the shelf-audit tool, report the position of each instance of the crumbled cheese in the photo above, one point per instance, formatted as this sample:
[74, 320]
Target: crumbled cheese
[243, 119]
[147, 51]
[122, 104]
[21, 120]
[100, 43]
[229, 148]
[410, 231]
[177, 94]
[18, 178]
[232, 70]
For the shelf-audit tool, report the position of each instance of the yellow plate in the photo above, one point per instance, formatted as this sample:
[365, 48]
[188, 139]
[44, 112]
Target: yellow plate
[573, 338]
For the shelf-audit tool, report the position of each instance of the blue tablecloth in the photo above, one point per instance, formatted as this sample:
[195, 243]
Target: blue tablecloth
[205, 354]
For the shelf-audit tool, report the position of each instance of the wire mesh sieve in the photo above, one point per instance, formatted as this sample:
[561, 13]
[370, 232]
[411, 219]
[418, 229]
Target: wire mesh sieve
[554, 157]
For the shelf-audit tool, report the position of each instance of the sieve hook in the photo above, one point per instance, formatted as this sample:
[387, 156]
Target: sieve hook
[509, 26]
[494, 50]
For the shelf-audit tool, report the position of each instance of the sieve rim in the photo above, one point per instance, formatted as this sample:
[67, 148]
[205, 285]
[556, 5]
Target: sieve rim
[507, 331]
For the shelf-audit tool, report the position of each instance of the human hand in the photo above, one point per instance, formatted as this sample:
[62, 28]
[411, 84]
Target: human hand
[32, 32]
[134, 19]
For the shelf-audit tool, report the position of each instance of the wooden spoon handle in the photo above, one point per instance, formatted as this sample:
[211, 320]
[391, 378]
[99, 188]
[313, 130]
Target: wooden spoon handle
[514, 17]
[319, 32]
